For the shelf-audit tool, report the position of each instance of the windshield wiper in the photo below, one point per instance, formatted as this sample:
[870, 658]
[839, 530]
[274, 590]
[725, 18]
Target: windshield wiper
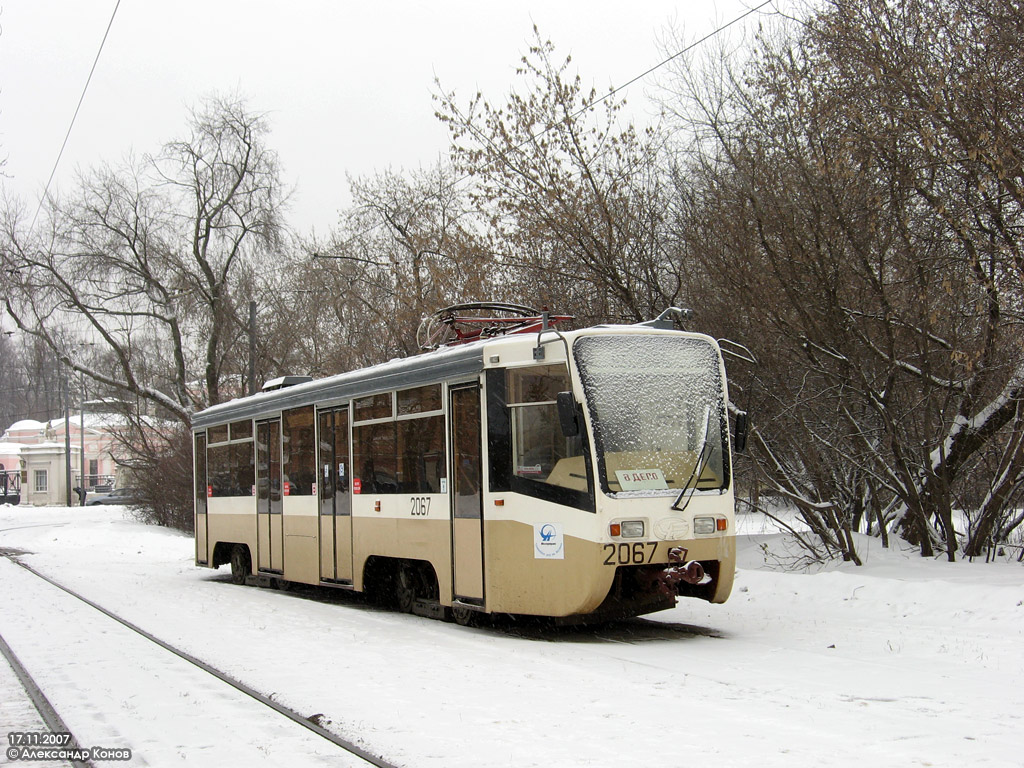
[703, 457]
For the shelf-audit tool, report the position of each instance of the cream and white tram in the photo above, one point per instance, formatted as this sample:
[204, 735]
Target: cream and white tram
[564, 474]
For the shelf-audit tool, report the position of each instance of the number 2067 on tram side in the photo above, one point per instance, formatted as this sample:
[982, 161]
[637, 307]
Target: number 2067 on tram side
[572, 474]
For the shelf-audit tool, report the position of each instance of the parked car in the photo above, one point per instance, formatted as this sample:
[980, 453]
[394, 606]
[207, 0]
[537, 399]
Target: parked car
[118, 496]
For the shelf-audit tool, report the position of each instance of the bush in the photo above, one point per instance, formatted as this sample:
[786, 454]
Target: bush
[164, 480]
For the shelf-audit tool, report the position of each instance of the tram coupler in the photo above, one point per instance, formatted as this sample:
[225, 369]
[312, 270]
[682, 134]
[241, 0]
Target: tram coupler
[691, 572]
[667, 580]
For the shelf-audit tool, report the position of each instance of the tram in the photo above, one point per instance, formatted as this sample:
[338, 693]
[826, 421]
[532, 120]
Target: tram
[515, 468]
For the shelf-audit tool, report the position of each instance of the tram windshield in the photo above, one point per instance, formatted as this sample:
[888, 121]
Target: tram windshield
[658, 410]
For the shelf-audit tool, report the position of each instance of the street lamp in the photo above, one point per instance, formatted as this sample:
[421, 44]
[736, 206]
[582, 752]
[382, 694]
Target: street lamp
[67, 438]
[67, 435]
[81, 442]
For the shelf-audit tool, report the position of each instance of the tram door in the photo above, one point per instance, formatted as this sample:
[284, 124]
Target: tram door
[335, 499]
[466, 496]
[269, 519]
[201, 494]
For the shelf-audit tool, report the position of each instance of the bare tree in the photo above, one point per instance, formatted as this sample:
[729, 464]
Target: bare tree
[856, 190]
[154, 263]
[29, 380]
[574, 197]
[146, 260]
[409, 246]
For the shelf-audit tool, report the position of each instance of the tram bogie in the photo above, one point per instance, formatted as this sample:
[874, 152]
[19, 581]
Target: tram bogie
[564, 474]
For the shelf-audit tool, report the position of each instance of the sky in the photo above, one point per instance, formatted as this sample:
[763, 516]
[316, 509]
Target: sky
[346, 86]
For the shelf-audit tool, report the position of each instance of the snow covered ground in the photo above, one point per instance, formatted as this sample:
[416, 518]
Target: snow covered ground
[902, 662]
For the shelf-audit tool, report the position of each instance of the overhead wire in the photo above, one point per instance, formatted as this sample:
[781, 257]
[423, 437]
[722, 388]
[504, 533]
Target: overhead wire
[572, 116]
[642, 75]
[67, 136]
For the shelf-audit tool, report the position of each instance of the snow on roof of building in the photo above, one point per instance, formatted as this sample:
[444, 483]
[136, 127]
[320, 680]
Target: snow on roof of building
[25, 425]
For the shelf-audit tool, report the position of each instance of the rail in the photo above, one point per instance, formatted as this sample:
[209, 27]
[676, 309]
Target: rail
[222, 676]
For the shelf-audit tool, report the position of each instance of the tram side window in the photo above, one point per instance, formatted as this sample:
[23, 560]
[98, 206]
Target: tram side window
[400, 449]
[421, 456]
[374, 459]
[218, 464]
[419, 400]
[243, 468]
[538, 442]
[299, 451]
[539, 449]
[231, 467]
[527, 452]
[373, 407]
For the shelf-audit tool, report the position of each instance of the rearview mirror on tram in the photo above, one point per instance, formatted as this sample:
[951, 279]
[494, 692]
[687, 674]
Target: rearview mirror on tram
[567, 417]
[742, 428]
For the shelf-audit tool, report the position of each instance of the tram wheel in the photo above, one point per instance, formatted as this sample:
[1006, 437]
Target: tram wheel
[405, 588]
[463, 616]
[241, 564]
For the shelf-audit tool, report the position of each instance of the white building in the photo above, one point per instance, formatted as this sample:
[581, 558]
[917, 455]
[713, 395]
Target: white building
[38, 450]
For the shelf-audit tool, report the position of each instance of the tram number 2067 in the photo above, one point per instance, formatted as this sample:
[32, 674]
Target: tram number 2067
[637, 553]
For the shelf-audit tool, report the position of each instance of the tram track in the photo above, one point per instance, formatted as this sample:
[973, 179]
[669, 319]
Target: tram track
[53, 721]
[42, 705]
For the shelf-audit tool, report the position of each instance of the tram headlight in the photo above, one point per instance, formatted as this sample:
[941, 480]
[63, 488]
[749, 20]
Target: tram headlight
[632, 529]
[703, 526]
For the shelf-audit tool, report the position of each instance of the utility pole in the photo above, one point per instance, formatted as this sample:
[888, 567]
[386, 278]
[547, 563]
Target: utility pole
[67, 436]
[81, 442]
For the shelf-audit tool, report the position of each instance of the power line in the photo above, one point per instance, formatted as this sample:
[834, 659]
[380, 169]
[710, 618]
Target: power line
[641, 76]
[46, 189]
[585, 108]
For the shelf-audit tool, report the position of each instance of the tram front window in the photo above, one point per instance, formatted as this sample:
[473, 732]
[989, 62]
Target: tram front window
[658, 410]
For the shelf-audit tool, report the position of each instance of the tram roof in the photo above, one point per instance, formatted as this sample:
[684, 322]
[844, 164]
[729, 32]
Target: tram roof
[442, 364]
[402, 373]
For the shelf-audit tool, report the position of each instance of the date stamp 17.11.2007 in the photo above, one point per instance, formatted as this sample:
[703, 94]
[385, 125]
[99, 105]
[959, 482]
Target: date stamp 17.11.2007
[47, 745]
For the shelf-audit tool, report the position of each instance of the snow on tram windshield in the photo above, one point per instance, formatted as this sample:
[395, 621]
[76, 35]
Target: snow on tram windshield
[658, 409]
